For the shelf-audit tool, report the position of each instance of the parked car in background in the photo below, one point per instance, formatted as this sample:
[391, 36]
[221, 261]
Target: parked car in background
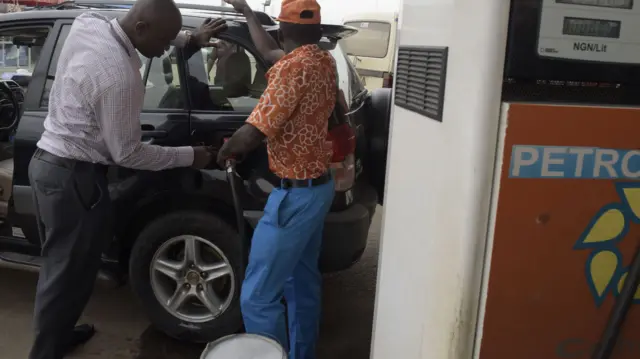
[373, 49]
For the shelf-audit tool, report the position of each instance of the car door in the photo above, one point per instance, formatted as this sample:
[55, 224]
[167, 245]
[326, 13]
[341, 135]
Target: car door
[165, 117]
[40, 57]
[224, 86]
[164, 121]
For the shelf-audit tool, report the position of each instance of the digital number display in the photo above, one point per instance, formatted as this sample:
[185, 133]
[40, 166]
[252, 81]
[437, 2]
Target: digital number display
[616, 4]
[591, 27]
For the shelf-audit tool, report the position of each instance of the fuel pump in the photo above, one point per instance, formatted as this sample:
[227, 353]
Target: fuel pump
[512, 193]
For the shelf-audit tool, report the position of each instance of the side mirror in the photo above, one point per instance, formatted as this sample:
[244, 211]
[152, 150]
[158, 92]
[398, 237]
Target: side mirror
[267, 3]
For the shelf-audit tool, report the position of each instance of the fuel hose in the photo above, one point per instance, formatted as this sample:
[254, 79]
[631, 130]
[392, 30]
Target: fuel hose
[619, 311]
[232, 178]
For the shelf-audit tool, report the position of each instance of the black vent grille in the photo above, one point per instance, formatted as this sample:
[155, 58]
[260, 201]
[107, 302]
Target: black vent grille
[12, 84]
[420, 80]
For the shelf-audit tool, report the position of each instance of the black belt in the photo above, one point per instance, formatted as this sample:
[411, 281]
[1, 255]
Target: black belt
[304, 183]
[68, 163]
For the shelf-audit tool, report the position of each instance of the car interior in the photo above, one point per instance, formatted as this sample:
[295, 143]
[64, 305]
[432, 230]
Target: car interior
[20, 53]
[236, 80]
[234, 83]
[11, 99]
[163, 85]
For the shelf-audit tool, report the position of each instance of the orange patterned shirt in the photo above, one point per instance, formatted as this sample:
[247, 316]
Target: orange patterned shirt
[294, 110]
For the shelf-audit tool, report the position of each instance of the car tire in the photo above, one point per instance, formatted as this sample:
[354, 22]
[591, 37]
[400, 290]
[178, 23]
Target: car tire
[214, 231]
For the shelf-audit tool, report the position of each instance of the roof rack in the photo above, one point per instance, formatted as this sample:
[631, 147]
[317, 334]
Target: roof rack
[221, 11]
[129, 3]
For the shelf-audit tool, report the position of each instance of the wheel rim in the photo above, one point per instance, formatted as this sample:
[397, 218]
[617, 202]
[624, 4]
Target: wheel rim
[192, 279]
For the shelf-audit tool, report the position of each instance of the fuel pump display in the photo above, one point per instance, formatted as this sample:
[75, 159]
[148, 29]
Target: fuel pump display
[590, 27]
[573, 52]
[590, 30]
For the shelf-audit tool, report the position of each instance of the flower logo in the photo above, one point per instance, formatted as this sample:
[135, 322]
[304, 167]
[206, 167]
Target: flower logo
[604, 268]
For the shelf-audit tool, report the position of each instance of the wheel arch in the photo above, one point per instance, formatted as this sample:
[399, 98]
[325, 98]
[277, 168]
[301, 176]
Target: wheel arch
[165, 202]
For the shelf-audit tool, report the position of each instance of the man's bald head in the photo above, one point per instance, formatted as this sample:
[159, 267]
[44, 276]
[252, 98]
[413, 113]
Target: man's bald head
[152, 24]
[156, 10]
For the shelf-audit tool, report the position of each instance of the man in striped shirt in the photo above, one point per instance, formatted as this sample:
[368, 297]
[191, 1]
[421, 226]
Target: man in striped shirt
[93, 122]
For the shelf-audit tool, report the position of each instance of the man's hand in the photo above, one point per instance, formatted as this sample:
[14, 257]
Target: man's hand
[224, 155]
[238, 147]
[266, 45]
[239, 5]
[210, 28]
[202, 157]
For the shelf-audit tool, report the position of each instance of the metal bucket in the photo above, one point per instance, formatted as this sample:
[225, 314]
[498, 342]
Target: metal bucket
[244, 346]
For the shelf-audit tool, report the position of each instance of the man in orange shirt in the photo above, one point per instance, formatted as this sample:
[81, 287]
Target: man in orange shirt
[293, 116]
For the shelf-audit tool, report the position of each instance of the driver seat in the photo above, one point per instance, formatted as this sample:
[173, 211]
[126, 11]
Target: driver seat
[6, 185]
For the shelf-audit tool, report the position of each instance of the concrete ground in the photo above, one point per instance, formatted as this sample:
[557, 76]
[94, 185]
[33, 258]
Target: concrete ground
[124, 332]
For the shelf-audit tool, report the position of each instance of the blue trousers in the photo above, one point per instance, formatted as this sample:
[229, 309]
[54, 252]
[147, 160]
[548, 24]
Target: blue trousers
[284, 261]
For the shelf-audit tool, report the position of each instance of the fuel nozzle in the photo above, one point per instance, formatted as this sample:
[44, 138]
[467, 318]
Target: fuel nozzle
[230, 165]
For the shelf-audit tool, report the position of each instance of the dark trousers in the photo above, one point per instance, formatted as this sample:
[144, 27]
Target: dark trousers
[73, 209]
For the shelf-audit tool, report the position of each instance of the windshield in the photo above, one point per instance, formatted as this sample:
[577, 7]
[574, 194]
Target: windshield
[19, 53]
[372, 39]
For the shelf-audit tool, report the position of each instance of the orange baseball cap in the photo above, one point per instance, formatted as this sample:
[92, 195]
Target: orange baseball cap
[304, 12]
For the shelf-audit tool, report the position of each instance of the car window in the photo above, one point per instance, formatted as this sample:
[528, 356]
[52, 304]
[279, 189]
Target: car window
[225, 78]
[162, 86]
[20, 51]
